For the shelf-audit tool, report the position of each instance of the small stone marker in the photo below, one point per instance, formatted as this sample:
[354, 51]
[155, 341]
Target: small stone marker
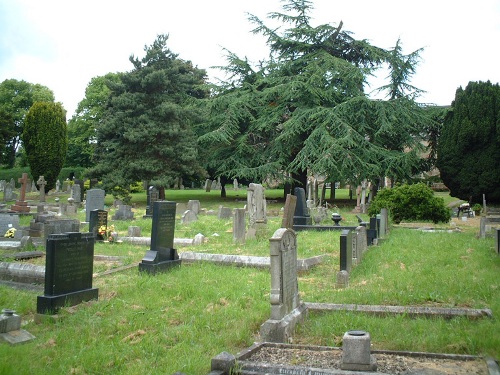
[124, 212]
[94, 201]
[286, 308]
[188, 217]
[68, 271]
[239, 225]
[10, 328]
[41, 187]
[289, 211]
[194, 205]
[224, 213]
[356, 352]
[98, 219]
[162, 254]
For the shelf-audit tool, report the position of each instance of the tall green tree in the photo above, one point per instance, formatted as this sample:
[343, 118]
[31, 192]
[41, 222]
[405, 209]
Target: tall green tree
[469, 144]
[305, 109]
[45, 140]
[16, 98]
[147, 131]
[89, 114]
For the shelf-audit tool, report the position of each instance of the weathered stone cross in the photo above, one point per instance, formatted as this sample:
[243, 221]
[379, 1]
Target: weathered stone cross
[41, 186]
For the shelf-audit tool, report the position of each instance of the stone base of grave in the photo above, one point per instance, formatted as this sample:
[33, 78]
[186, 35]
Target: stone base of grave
[19, 336]
[159, 261]
[20, 206]
[50, 304]
[372, 366]
[281, 331]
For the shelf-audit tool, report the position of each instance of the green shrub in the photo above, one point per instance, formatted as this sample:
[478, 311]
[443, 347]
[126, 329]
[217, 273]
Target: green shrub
[411, 202]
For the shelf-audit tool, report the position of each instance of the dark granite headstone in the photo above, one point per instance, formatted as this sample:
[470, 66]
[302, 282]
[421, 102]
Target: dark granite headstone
[162, 254]
[97, 219]
[346, 250]
[497, 241]
[68, 271]
[301, 216]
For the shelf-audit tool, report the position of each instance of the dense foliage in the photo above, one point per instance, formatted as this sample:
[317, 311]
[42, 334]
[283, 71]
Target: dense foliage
[147, 132]
[16, 98]
[469, 145]
[45, 141]
[305, 109]
[411, 203]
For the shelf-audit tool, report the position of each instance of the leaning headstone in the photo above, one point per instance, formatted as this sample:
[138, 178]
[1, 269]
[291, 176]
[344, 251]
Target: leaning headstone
[188, 217]
[94, 201]
[68, 272]
[289, 211]
[286, 307]
[194, 205]
[162, 254]
[301, 215]
[239, 228]
[224, 212]
[98, 220]
[256, 205]
[153, 196]
[41, 186]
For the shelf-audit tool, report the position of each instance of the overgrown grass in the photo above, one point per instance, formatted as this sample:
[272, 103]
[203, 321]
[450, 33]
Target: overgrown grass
[179, 320]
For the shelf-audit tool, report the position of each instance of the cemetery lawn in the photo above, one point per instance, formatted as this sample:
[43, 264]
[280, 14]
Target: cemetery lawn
[179, 320]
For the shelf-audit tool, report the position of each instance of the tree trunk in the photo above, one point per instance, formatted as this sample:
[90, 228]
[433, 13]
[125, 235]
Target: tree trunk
[161, 193]
[223, 181]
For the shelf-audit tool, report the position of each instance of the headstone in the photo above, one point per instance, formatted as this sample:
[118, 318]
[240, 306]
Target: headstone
[214, 185]
[235, 184]
[289, 211]
[41, 186]
[98, 219]
[58, 186]
[356, 352]
[30, 186]
[194, 205]
[162, 254]
[134, 231]
[94, 201]
[124, 212]
[80, 183]
[68, 272]
[8, 192]
[286, 308]
[153, 196]
[21, 205]
[384, 222]
[76, 193]
[224, 213]
[208, 185]
[188, 217]
[361, 242]
[346, 250]
[497, 241]
[256, 204]
[239, 225]
[199, 239]
[301, 216]
[9, 221]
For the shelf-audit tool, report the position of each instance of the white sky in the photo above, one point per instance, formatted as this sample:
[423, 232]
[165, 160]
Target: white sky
[62, 44]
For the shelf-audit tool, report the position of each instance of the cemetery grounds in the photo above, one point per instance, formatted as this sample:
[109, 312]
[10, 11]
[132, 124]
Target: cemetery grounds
[179, 320]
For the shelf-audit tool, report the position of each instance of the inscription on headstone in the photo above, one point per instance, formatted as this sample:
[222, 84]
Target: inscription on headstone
[98, 219]
[68, 271]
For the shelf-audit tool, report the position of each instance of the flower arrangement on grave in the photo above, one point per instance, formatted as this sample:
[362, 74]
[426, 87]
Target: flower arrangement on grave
[107, 233]
[10, 233]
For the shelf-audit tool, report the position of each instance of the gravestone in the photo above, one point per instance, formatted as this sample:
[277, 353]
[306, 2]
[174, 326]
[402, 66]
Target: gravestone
[384, 222]
[360, 242]
[214, 185]
[21, 205]
[76, 193]
[41, 186]
[162, 254]
[286, 308]
[8, 192]
[45, 224]
[68, 272]
[124, 212]
[497, 241]
[98, 219]
[194, 205]
[289, 211]
[256, 205]
[372, 232]
[239, 227]
[224, 213]
[153, 196]
[346, 247]
[301, 215]
[80, 183]
[188, 217]
[235, 184]
[8, 221]
[208, 185]
[94, 201]
[58, 186]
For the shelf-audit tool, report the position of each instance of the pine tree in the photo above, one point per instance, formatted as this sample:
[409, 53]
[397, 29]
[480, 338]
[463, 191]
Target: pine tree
[147, 130]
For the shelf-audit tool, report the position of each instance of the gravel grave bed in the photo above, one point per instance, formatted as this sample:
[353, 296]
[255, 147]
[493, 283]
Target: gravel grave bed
[386, 363]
